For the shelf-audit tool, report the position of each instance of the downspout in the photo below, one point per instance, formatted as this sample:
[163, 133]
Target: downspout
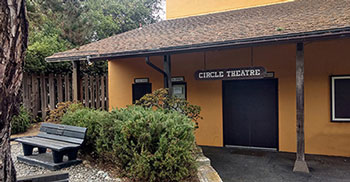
[159, 70]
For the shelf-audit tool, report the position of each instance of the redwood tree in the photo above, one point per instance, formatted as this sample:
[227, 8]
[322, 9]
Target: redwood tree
[13, 37]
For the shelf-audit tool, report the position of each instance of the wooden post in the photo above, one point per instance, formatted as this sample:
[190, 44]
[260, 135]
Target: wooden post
[166, 84]
[34, 96]
[29, 92]
[66, 88]
[87, 98]
[81, 91]
[103, 100]
[59, 88]
[51, 92]
[43, 99]
[98, 99]
[25, 90]
[167, 70]
[75, 80]
[92, 93]
[300, 164]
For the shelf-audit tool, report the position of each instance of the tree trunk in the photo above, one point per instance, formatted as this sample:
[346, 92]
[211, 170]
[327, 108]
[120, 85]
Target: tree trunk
[13, 37]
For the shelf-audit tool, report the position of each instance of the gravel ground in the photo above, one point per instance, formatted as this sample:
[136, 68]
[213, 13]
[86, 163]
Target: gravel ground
[78, 173]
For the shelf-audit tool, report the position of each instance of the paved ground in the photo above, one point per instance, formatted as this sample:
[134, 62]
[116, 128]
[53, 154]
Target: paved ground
[261, 166]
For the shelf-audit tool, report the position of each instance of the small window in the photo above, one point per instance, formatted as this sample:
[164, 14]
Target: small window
[179, 87]
[340, 98]
[179, 90]
[139, 90]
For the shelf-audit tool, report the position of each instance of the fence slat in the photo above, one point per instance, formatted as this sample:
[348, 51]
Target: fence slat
[43, 95]
[86, 84]
[29, 93]
[92, 94]
[103, 100]
[98, 88]
[59, 88]
[51, 92]
[81, 91]
[66, 88]
[25, 90]
[34, 96]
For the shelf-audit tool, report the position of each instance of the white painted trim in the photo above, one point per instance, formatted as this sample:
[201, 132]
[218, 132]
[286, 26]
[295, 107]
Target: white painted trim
[333, 97]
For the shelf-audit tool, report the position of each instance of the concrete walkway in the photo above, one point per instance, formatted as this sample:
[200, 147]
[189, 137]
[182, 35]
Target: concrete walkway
[262, 166]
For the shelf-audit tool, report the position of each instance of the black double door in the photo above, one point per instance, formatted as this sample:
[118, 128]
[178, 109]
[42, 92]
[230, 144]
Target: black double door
[251, 113]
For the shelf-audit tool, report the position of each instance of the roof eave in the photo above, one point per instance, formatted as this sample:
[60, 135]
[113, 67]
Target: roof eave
[69, 58]
[335, 33]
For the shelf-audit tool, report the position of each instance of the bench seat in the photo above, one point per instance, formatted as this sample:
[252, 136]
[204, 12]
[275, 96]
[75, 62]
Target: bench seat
[61, 139]
[47, 143]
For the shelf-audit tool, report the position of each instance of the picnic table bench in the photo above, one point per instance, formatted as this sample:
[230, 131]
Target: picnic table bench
[61, 139]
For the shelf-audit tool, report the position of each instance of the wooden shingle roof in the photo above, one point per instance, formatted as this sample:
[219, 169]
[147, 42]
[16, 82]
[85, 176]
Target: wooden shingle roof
[268, 22]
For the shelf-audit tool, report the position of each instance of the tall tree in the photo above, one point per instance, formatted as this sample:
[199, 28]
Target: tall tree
[13, 37]
[110, 17]
[58, 25]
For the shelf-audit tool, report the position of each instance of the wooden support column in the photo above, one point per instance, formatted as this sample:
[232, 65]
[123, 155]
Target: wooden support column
[300, 164]
[76, 80]
[167, 70]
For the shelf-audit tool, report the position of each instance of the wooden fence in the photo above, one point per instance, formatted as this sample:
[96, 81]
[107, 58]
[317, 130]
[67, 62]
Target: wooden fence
[41, 93]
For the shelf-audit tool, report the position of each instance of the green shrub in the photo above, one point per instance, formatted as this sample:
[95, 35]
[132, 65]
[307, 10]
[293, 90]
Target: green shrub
[21, 122]
[160, 99]
[56, 115]
[90, 119]
[149, 145]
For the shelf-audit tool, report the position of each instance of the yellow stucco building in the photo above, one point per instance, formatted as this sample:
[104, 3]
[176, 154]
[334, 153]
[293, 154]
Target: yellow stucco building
[321, 135]
[186, 8]
[299, 49]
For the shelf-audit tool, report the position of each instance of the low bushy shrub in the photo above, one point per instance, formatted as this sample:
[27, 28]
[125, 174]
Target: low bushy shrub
[149, 145]
[55, 115]
[90, 119]
[21, 122]
[160, 99]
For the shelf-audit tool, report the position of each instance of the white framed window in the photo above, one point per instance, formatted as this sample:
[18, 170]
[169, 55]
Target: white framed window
[340, 98]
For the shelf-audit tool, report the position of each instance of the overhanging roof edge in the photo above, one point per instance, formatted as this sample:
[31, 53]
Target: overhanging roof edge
[283, 38]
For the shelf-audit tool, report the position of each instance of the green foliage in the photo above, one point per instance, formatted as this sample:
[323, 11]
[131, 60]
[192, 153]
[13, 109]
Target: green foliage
[59, 25]
[21, 122]
[110, 17]
[147, 144]
[97, 68]
[66, 15]
[44, 43]
[160, 99]
[90, 119]
[150, 145]
[55, 115]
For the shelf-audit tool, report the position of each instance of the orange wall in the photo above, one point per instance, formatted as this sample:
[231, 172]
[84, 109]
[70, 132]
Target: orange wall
[185, 8]
[121, 75]
[321, 60]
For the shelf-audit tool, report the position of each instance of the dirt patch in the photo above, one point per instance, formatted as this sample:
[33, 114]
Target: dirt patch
[32, 131]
